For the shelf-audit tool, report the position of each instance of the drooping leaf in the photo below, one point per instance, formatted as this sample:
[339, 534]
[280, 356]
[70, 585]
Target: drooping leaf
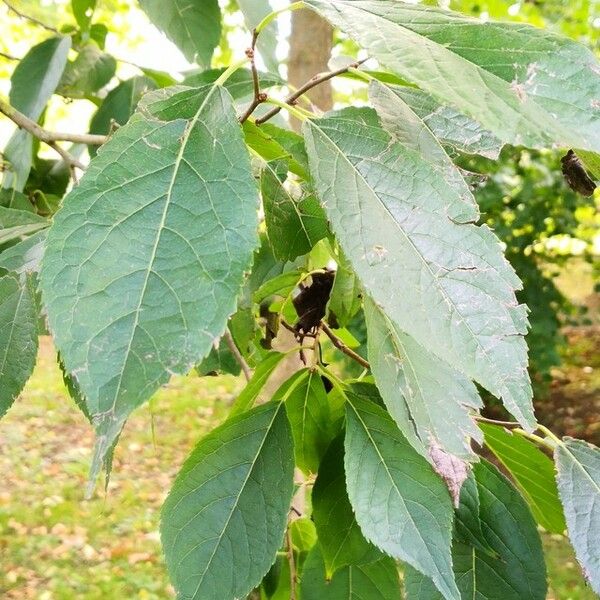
[254, 12]
[148, 254]
[294, 225]
[438, 277]
[226, 513]
[375, 581]
[18, 336]
[193, 25]
[91, 70]
[533, 472]
[307, 408]
[32, 84]
[578, 477]
[401, 505]
[119, 105]
[526, 85]
[253, 388]
[515, 571]
[448, 125]
[406, 127]
[25, 256]
[430, 401]
[340, 538]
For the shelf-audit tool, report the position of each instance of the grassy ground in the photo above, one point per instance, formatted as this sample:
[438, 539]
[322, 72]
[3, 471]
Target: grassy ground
[55, 546]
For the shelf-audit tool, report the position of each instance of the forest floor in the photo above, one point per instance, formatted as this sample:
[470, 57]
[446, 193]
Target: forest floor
[56, 546]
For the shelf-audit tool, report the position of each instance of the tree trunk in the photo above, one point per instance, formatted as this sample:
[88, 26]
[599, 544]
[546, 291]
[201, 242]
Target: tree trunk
[310, 49]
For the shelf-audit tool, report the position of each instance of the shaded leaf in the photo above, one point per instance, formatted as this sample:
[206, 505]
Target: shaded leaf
[375, 581]
[219, 361]
[294, 225]
[226, 513]
[240, 84]
[578, 477]
[533, 472]
[193, 25]
[147, 256]
[346, 294]
[438, 277]
[25, 256]
[516, 571]
[401, 505]
[18, 336]
[91, 70]
[340, 538]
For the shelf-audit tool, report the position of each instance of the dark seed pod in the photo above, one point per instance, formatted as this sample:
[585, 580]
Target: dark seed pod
[575, 174]
[311, 302]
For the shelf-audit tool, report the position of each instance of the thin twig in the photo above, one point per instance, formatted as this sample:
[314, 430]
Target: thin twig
[494, 422]
[311, 83]
[8, 56]
[343, 348]
[30, 18]
[48, 137]
[292, 565]
[237, 355]
[259, 97]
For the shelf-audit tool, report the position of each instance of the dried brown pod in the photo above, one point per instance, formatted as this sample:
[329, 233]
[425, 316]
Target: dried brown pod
[576, 175]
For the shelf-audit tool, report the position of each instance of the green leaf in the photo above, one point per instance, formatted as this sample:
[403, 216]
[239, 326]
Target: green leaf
[25, 256]
[225, 516]
[513, 92]
[307, 409]
[254, 12]
[148, 254]
[91, 70]
[578, 477]
[18, 336]
[340, 538]
[303, 534]
[83, 11]
[346, 295]
[239, 84]
[253, 388]
[401, 505]
[516, 571]
[441, 279]
[294, 225]
[193, 25]
[448, 125]
[13, 199]
[533, 473]
[430, 402]
[406, 127]
[219, 361]
[32, 84]
[281, 285]
[15, 224]
[375, 581]
[119, 105]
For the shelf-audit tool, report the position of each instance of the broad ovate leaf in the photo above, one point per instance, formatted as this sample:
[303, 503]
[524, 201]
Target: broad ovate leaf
[194, 26]
[400, 503]
[430, 401]
[578, 477]
[409, 235]
[146, 257]
[374, 581]
[18, 336]
[513, 566]
[226, 513]
[533, 473]
[32, 84]
[526, 85]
